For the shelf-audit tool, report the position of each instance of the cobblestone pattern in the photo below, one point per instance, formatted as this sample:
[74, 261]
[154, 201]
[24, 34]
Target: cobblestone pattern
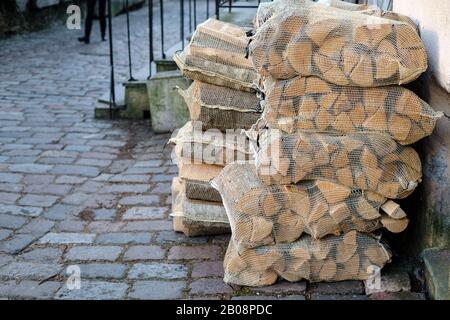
[95, 194]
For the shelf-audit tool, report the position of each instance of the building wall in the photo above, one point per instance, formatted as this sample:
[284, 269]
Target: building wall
[430, 225]
[433, 18]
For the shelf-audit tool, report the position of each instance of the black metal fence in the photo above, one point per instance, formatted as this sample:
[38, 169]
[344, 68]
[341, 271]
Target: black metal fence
[193, 18]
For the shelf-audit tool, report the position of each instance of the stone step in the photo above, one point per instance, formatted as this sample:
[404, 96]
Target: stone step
[120, 96]
[167, 108]
[437, 272]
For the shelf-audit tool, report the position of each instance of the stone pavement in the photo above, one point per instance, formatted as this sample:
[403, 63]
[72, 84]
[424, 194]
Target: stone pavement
[76, 192]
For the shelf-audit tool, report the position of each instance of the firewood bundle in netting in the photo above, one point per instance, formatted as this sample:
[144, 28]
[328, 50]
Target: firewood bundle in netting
[342, 47]
[217, 54]
[362, 161]
[196, 217]
[351, 256]
[268, 9]
[220, 107]
[310, 104]
[266, 215]
[197, 178]
[192, 145]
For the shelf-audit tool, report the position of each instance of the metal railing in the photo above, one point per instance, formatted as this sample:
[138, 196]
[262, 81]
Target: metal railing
[193, 18]
[229, 5]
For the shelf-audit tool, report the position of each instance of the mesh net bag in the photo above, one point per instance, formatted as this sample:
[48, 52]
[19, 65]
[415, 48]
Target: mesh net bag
[377, 12]
[265, 215]
[351, 256]
[200, 190]
[361, 161]
[192, 145]
[196, 179]
[342, 47]
[217, 54]
[268, 9]
[311, 104]
[194, 217]
[198, 172]
[220, 107]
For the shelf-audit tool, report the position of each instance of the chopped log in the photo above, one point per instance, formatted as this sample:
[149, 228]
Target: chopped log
[370, 36]
[376, 255]
[393, 210]
[395, 225]
[367, 211]
[377, 122]
[349, 269]
[261, 229]
[333, 192]
[320, 249]
[368, 159]
[299, 55]
[339, 212]
[317, 212]
[342, 124]
[345, 251]
[400, 127]
[340, 159]
[385, 68]
[289, 227]
[344, 176]
[308, 108]
[320, 30]
[328, 270]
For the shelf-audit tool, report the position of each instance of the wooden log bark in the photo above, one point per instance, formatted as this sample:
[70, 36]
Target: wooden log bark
[266, 215]
[366, 170]
[300, 260]
[335, 36]
[311, 105]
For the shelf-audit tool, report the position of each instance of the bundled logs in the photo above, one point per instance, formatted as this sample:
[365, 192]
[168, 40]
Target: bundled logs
[351, 256]
[319, 187]
[346, 48]
[197, 207]
[220, 107]
[312, 105]
[267, 215]
[196, 178]
[362, 161]
[266, 11]
[217, 54]
[370, 10]
[222, 103]
[192, 145]
[194, 217]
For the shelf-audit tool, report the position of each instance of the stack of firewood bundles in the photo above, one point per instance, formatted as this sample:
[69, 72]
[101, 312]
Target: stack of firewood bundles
[217, 54]
[331, 150]
[222, 103]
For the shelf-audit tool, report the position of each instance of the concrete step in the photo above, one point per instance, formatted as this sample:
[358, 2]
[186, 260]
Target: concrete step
[167, 108]
[437, 272]
[120, 97]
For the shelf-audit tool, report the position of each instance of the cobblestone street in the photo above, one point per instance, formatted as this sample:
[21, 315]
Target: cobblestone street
[76, 191]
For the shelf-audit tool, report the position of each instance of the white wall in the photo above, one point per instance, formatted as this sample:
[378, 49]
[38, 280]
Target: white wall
[433, 18]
